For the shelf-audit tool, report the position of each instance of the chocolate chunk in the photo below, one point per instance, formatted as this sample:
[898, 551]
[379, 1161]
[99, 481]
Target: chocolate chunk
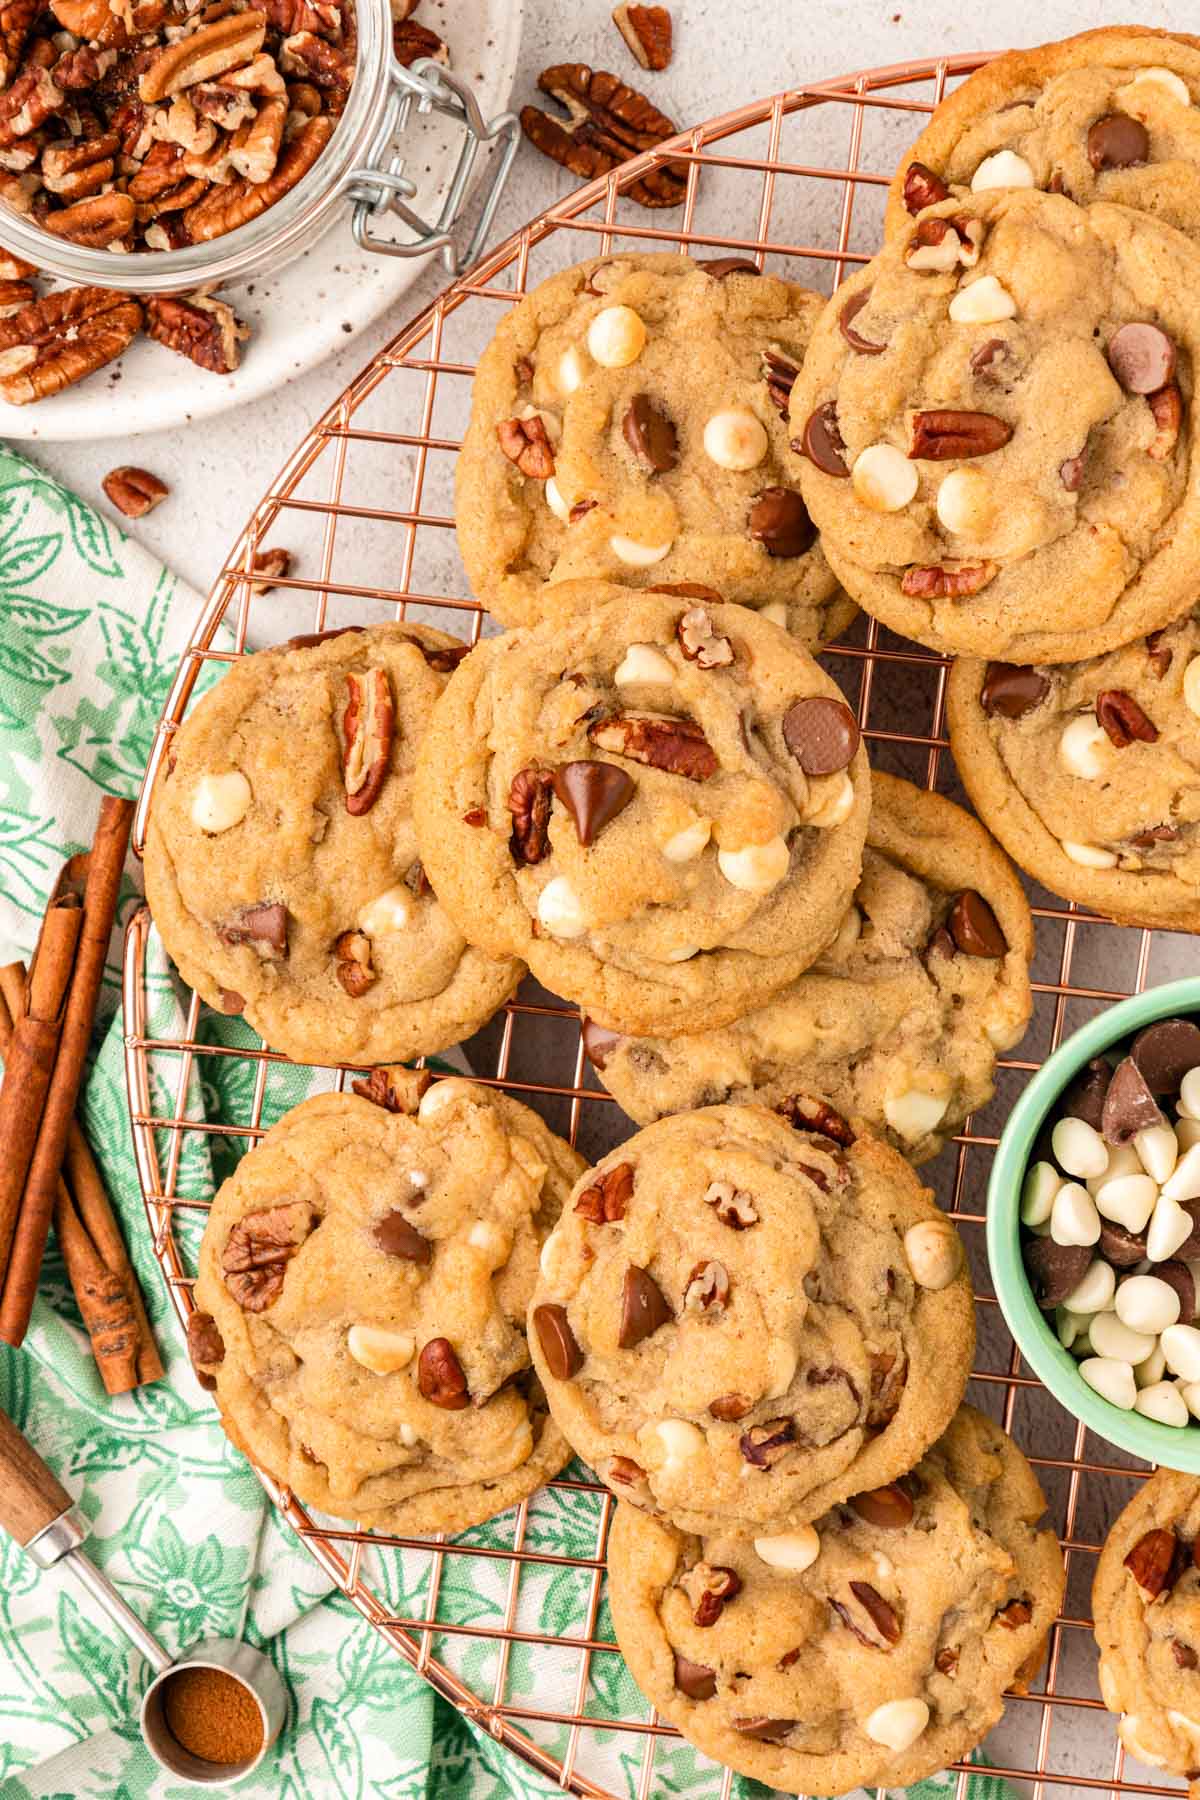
[1177, 1275]
[308, 638]
[779, 521]
[440, 1377]
[650, 434]
[887, 1507]
[643, 1308]
[396, 1237]
[264, 926]
[1117, 142]
[693, 1679]
[855, 339]
[822, 734]
[1129, 1106]
[1164, 1052]
[1123, 719]
[1120, 1247]
[822, 442]
[975, 927]
[1012, 689]
[1141, 357]
[721, 266]
[764, 1731]
[1054, 1269]
[563, 1356]
[599, 1043]
[1084, 1099]
[593, 793]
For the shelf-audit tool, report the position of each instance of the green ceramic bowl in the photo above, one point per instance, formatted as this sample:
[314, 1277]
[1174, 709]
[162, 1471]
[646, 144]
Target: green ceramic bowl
[1177, 1447]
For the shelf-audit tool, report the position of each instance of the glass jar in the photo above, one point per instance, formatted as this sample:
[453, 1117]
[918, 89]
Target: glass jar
[360, 167]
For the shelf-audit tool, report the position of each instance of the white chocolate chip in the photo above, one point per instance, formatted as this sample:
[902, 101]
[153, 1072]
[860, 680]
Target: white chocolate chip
[1083, 747]
[570, 371]
[830, 801]
[883, 478]
[1190, 1391]
[966, 503]
[1068, 1326]
[637, 556]
[616, 337]
[1078, 1148]
[1170, 1228]
[1162, 78]
[1191, 685]
[408, 1435]
[1157, 1150]
[735, 439]
[897, 1723]
[488, 1238]
[390, 911]
[1042, 1182]
[1187, 1132]
[1122, 1160]
[450, 1092]
[1004, 169]
[756, 868]
[776, 611]
[528, 1159]
[1074, 1219]
[1089, 856]
[794, 1551]
[1183, 1183]
[1189, 1095]
[1152, 1369]
[642, 663]
[1181, 1347]
[1162, 1401]
[1128, 1728]
[220, 801]
[560, 909]
[686, 845]
[381, 1351]
[553, 1261]
[681, 1443]
[1110, 1337]
[983, 302]
[1147, 1304]
[1127, 1200]
[848, 934]
[934, 1252]
[555, 501]
[684, 953]
[913, 1113]
[1093, 1293]
[1112, 1380]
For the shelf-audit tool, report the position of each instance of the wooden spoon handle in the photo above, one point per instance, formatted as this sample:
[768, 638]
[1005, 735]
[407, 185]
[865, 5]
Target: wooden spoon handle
[31, 1497]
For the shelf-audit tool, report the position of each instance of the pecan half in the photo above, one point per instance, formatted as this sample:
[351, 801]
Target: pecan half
[943, 434]
[677, 746]
[525, 443]
[206, 1348]
[57, 340]
[922, 582]
[1149, 1562]
[324, 17]
[1123, 719]
[709, 1587]
[96, 223]
[733, 1206]
[607, 123]
[440, 1377]
[258, 1250]
[707, 1288]
[607, 1200]
[134, 491]
[368, 728]
[225, 208]
[355, 970]
[765, 1445]
[700, 643]
[529, 799]
[647, 31]
[205, 330]
[1166, 407]
[227, 43]
[328, 66]
[923, 188]
[75, 170]
[13, 296]
[255, 147]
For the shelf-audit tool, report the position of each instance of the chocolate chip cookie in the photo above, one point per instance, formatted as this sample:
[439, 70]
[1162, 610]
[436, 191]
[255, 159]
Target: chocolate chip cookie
[1108, 115]
[739, 1323]
[998, 432]
[628, 422]
[1089, 772]
[281, 858]
[1146, 1602]
[363, 1283]
[660, 804]
[873, 1647]
[898, 1022]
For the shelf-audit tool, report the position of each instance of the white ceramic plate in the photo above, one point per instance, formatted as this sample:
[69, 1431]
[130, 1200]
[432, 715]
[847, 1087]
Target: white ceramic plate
[316, 304]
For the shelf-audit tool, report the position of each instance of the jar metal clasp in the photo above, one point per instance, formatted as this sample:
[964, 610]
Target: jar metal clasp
[379, 185]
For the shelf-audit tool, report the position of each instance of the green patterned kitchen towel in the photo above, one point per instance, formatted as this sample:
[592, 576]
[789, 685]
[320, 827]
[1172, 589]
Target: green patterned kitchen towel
[91, 629]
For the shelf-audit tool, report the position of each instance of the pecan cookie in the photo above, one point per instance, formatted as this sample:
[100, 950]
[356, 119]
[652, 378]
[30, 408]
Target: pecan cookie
[661, 805]
[628, 422]
[1146, 1602]
[873, 1647]
[363, 1282]
[898, 1022]
[1089, 773]
[739, 1322]
[1107, 115]
[998, 428]
[281, 858]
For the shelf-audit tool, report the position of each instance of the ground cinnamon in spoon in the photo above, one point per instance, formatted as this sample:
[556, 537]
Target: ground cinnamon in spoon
[213, 1715]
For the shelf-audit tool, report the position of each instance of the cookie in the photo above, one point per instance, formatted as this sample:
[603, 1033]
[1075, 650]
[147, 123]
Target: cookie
[1108, 115]
[627, 423]
[1146, 1602]
[739, 1323]
[364, 1276]
[898, 1023]
[281, 858]
[871, 1648]
[998, 430]
[1089, 772]
[660, 805]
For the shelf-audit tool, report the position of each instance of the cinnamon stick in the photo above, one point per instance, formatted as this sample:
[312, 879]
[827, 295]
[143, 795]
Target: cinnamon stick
[102, 882]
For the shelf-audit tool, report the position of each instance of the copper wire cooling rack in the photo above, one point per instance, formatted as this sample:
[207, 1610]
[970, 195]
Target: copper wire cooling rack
[797, 182]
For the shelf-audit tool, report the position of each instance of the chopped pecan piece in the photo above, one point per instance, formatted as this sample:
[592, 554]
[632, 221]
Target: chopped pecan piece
[413, 42]
[876, 1625]
[396, 1089]
[944, 434]
[729, 1408]
[765, 1445]
[205, 330]
[57, 340]
[1015, 1614]
[368, 727]
[707, 1288]
[440, 1377]
[939, 246]
[647, 31]
[733, 1206]
[1123, 719]
[1166, 407]
[700, 643]
[254, 149]
[16, 22]
[13, 296]
[808, 1113]
[607, 123]
[607, 1200]
[946, 1660]
[678, 746]
[709, 1587]
[270, 566]
[206, 1348]
[258, 1250]
[15, 268]
[889, 1372]
[526, 443]
[27, 104]
[226, 43]
[134, 491]
[529, 799]
[1150, 1560]
[324, 17]
[942, 583]
[923, 188]
[355, 970]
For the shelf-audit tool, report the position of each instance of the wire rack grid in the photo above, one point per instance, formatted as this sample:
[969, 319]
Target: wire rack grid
[797, 182]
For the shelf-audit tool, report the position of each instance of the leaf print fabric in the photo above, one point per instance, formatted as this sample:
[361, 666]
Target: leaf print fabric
[91, 631]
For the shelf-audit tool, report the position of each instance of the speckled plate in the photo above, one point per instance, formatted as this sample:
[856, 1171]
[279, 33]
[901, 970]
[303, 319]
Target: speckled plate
[314, 306]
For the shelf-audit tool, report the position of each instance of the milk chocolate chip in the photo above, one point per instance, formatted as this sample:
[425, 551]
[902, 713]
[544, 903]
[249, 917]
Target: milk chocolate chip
[1141, 357]
[650, 435]
[1117, 142]
[563, 1356]
[593, 793]
[1011, 690]
[396, 1237]
[822, 442]
[1129, 1106]
[1164, 1052]
[779, 521]
[975, 927]
[822, 734]
[643, 1308]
